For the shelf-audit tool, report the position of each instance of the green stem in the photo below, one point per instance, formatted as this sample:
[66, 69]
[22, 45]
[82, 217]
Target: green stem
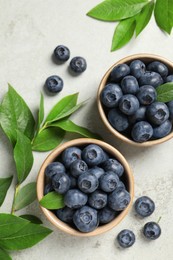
[17, 187]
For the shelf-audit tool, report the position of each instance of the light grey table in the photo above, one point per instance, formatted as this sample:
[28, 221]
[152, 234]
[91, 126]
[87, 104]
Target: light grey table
[29, 32]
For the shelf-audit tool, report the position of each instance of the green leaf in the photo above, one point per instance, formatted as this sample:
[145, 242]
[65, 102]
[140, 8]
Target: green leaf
[16, 115]
[33, 219]
[23, 156]
[25, 196]
[40, 113]
[114, 10]
[123, 33]
[10, 224]
[4, 186]
[48, 139]
[165, 92]
[143, 18]
[4, 255]
[71, 127]
[62, 107]
[52, 200]
[26, 237]
[164, 14]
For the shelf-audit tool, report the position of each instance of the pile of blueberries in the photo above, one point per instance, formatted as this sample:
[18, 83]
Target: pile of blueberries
[93, 185]
[130, 100]
[54, 83]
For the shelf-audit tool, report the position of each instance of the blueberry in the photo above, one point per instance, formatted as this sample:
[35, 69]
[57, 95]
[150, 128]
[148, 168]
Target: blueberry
[61, 183]
[119, 199]
[119, 72]
[73, 181]
[139, 115]
[111, 95]
[142, 131]
[48, 188]
[146, 95]
[54, 168]
[129, 85]
[144, 206]
[78, 167]
[152, 230]
[70, 155]
[126, 238]
[109, 181]
[114, 166]
[170, 107]
[150, 78]
[157, 113]
[162, 130]
[106, 215]
[54, 84]
[93, 155]
[78, 64]
[158, 67]
[98, 199]
[137, 68]
[86, 219]
[128, 104]
[118, 120]
[65, 214]
[62, 53]
[97, 171]
[87, 182]
[121, 185]
[169, 78]
[75, 199]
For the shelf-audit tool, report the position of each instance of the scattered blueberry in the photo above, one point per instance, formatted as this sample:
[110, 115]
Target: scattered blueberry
[146, 95]
[157, 113]
[137, 68]
[54, 168]
[119, 72]
[75, 198]
[97, 171]
[106, 215]
[129, 85]
[111, 95]
[128, 104]
[78, 167]
[151, 78]
[109, 181]
[61, 183]
[93, 155]
[139, 115]
[65, 214]
[126, 238]
[86, 219]
[142, 131]
[54, 84]
[48, 188]
[88, 182]
[158, 67]
[119, 199]
[162, 130]
[152, 230]
[144, 206]
[62, 53]
[114, 166]
[98, 199]
[70, 155]
[118, 120]
[78, 64]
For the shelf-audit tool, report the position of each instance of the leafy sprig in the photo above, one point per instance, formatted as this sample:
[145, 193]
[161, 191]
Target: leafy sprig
[133, 16]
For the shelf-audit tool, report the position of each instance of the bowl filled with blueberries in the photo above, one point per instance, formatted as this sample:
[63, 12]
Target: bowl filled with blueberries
[131, 101]
[94, 182]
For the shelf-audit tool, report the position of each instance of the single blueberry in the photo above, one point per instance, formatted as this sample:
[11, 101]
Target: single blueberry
[86, 219]
[128, 104]
[157, 113]
[139, 115]
[144, 206]
[119, 72]
[65, 214]
[129, 85]
[73, 180]
[78, 64]
[111, 95]
[137, 68]
[88, 182]
[75, 199]
[162, 130]
[106, 215]
[54, 84]
[141, 132]
[78, 167]
[150, 78]
[146, 95]
[158, 67]
[97, 171]
[109, 181]
[97, 199]
[119, 199]
[169, 78]
[54, 168]
[170, 107]
[126, 238]
[113, 165]
[93, 155]
[121, 185]
[118, 120]
[70, 155]
[61, 183]
[48, 188]
[62, 53]
[152, 230]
